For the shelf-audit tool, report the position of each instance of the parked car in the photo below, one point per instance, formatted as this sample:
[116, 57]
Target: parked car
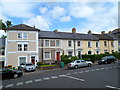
[107, 60]
[79, 63]
[29, 67]
[9, 73]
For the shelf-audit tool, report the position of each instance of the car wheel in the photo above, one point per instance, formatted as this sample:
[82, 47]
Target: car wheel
[15, 75]
[76, 67]
[89, 64]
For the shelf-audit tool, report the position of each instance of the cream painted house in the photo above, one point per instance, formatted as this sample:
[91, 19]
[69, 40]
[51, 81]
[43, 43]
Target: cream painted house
[73, 44]
[21, 45]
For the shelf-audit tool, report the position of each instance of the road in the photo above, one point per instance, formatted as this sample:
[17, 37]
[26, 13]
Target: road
[97, 76]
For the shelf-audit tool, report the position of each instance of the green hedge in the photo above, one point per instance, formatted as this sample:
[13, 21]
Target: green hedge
[93, 58]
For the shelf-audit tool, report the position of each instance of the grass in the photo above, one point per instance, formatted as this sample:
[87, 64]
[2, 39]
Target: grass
[47, 65]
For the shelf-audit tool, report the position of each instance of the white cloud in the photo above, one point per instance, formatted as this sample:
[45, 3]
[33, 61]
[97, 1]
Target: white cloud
[81, 12]
[18, 9]
[65, 19]
[99, 17]
[43, 10]
[57, 11]
[40, 22]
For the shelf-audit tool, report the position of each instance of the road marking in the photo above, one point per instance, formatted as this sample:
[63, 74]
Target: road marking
[19, 83]
[87, 71]
[111, 67]
[75, 78]
[93, 70]
[112, 87]
[97, 69]
[114, 67]
[54, 77]
[68, 74]
[37, 80]
[47, 78]
[106, 68]
[81, 72]
[75, 73]
[30, 81]
[102, 68]
[9, 85]
[61, 75]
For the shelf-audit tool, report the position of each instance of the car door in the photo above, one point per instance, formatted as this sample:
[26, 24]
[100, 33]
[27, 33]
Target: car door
[78, 63]
[6, 73]
[83, 62]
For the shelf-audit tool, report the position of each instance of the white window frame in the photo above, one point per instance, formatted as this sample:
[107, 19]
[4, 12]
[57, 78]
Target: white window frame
[19, 59]
[57, 44]
[91, 52]
[80, 43]
[23, 43]
[71, 43]
[23, 36]
[90, 44]
[49, 54]
[48, 43]
[20, 34]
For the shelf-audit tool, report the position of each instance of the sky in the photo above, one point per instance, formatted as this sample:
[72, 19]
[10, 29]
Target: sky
[63, 16]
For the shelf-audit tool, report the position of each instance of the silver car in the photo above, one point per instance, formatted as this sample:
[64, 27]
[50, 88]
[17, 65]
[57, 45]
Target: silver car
[79, 63]
[29, 67]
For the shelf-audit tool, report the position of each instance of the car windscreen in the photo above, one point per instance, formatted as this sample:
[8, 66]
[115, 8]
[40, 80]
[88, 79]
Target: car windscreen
[29, 64]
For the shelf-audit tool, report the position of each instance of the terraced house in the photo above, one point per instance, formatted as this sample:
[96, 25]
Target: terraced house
[21, 45]
[28, 44]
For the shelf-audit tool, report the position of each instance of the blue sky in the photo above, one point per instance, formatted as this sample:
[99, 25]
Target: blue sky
[63, 16]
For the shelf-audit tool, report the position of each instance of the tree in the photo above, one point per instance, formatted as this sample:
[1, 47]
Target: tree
[2, 25]
[8, 23]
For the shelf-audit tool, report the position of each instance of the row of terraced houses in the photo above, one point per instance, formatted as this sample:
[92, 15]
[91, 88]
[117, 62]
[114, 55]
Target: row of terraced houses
[26, 44]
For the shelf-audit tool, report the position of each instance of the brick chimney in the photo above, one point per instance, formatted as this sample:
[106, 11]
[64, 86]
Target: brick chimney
[102, 32]
[89, 32]
[55, 30]
[73, 30]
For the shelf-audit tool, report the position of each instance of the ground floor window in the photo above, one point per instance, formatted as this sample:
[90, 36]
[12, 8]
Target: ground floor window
[22, 60]
[89, 52]
[70, 53]
[47, 55]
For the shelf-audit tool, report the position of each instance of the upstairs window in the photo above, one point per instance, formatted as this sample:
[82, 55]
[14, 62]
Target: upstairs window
[69, 43]
[105, 43]
[52, 42]
[25, 47]
[112, 44]
[97, 44]
[25, 35]
[20, 35]
[57, 42]
[47, 43]
[19, 47]
[78, 43]
[89, 44]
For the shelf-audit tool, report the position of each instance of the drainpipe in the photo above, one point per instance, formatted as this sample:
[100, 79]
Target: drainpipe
[42, 50]
[74, 47]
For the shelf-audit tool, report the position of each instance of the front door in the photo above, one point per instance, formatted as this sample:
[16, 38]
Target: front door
[33, 59]
[58, 56]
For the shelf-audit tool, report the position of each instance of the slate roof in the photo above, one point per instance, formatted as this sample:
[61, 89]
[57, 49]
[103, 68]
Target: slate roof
[103, 36]
[65, 35]
[113, 36]
[22, 27]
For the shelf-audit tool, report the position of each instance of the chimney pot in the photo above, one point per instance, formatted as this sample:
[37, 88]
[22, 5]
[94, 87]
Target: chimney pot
[89, 32]
[102, 32]
[73, 30]
[55, 30]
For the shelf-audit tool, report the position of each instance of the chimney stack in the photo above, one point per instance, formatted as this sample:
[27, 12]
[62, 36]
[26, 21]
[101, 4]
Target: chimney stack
[73, 30]
[102, 32]
[55, 30]
[89, 32]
